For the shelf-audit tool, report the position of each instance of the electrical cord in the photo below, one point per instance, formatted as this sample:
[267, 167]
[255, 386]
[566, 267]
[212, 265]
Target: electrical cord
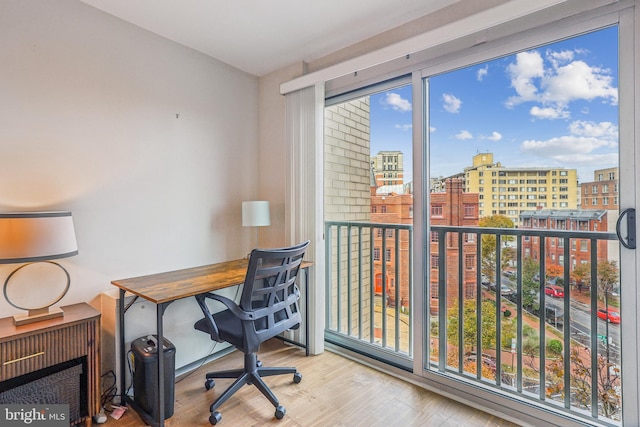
[110, 392]
[210, 352]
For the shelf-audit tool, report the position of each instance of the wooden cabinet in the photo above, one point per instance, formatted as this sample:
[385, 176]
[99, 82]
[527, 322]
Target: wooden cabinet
[27, 349]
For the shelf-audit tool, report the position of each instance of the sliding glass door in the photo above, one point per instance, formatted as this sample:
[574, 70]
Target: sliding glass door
[524, 267]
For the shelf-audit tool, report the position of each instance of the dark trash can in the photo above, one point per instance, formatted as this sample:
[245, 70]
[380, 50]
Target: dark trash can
[145, 375]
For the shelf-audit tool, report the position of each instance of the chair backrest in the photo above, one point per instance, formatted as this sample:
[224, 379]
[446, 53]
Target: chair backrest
[270, 292]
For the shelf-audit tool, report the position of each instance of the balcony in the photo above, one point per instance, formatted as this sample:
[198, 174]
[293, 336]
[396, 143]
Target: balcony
[500, 321]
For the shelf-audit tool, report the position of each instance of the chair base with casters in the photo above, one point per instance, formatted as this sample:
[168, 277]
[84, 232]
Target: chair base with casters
[251, 374]
[268, 306]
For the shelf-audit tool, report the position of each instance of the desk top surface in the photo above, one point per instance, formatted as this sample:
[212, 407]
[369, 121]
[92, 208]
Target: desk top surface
[170, 286]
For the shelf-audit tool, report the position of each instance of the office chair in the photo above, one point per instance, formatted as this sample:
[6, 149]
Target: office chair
[268, 306]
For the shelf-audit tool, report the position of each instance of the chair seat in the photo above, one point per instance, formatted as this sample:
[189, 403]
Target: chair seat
[229, 328]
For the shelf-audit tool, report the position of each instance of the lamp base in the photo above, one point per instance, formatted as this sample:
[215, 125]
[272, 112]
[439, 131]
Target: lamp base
[37, 315]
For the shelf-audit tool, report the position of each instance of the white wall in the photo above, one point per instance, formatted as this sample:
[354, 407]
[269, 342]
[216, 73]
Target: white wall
[151, 145]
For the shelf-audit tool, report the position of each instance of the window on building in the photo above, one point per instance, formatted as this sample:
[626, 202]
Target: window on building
[436, 210]
[469, 211]
[434, 262]
[376, 254]
[388, 255]
[470, 262]
[584, 245]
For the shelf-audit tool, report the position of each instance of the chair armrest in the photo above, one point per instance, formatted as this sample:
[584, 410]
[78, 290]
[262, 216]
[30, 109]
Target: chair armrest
[230, 304]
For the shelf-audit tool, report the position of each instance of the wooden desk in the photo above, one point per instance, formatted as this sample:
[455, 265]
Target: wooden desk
[164, 288]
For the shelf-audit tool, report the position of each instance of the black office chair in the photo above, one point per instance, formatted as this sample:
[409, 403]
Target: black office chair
[268, 306]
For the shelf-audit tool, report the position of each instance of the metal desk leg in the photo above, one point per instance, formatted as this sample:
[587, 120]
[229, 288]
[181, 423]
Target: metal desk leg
[123, 352]
[306, 311]
[160, 308]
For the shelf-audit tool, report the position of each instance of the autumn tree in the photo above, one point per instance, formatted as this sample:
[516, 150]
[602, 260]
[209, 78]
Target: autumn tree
[608, 276]
[607, 378]
[581, 275]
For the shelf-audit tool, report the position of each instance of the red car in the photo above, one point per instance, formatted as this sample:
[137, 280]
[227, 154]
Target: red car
[613, 317]
[554, 291]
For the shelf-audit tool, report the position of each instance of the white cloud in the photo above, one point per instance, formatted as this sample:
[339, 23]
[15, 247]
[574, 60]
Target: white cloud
[451, 103]
[397, 102]
[464, 134]
[482, 72]
[558, 82]
[528, 66]
[605, 130]
[558, 58]
[432, 129]
[578, 80]
[555, 112]
[495, 136]
[589, 144]
[563, 145]
[404, 127]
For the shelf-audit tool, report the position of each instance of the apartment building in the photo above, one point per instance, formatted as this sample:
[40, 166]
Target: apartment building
[571, 219]
[510, 191]
[388, 168]
[391, 205]
[602, 192]
[454, 207]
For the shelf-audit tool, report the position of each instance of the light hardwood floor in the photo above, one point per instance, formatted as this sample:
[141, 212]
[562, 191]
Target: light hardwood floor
[334, 391]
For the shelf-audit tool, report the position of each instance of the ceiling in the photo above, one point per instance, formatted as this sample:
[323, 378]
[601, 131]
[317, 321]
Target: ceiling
[261, 36]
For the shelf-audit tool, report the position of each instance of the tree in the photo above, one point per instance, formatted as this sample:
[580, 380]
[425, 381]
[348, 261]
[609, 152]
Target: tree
[489, 258]
[607, 377]
[581, 275]
[487, 325]
[554, 270]
[608, 276]
[530, 287]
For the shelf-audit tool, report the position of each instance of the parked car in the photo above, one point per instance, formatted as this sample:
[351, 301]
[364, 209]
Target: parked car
[505, 290]
[612, 316]
[485, 280]
[554, 291]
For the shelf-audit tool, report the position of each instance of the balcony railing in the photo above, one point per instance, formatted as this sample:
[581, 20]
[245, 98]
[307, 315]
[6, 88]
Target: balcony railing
[369, 286]
[500, 324]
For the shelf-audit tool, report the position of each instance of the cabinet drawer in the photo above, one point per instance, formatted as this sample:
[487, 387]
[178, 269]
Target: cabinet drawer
[41, 350]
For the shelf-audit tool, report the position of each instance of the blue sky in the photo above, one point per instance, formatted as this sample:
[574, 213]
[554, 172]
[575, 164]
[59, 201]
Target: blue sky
[555, 105]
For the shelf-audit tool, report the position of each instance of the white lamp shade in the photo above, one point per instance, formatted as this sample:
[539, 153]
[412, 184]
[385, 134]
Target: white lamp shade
[255, 213]
[36, 236]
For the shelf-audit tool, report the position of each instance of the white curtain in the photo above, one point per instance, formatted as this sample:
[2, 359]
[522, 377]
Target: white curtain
[304, 195]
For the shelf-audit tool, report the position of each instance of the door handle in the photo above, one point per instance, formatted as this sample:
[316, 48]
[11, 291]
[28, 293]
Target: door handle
[630, 241]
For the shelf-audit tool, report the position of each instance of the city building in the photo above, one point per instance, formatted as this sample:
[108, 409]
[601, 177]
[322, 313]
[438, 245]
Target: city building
[510, 191]
[388, 168]
[454, 207]
[564, 219]
[391, 205]
[602, 192]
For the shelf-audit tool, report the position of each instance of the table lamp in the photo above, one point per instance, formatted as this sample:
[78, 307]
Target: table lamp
[255, 214]
[33, 237]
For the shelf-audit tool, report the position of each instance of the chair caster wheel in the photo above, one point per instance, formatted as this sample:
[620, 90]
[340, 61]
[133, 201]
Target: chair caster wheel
[297, 377]
[215, 418]
[280, 411]
[209, 384]
[259, 364]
